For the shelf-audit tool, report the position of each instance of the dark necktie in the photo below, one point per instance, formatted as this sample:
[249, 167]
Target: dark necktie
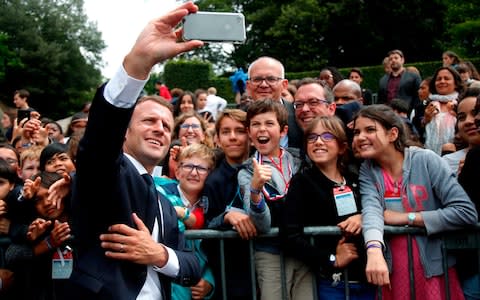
[153, 210]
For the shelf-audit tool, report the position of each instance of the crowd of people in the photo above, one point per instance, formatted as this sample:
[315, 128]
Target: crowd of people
[100, 212]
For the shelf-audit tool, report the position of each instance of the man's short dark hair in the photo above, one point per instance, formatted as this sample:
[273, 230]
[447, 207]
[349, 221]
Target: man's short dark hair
[22, 93]
[399, 105]
[396, 51]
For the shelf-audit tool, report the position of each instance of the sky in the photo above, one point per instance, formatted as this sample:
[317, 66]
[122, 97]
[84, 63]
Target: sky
[120, 22]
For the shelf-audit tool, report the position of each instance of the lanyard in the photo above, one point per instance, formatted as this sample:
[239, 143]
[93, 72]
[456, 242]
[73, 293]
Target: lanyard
[279, 167]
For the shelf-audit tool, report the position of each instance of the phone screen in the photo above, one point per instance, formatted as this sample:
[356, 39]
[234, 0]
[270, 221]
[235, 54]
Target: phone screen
[214, 27]
[22, 114]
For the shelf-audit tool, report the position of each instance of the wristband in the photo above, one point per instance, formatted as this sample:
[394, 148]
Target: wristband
[255, 191]
[48, 241]
[374, 245]
[260, 205]
[186, 215]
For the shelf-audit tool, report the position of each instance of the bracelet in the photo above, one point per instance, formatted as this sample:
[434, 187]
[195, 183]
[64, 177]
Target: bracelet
[255, 191]
[374, 245]
[186, 215]
[48, 241]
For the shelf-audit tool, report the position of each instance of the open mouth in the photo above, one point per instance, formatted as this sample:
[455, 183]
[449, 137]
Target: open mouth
[263, 140]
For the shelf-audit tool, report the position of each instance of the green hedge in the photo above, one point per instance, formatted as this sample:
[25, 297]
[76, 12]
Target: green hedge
[372, 74]
[190, 75]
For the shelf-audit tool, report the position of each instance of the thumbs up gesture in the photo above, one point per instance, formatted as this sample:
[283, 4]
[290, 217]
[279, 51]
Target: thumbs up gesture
[261, 174]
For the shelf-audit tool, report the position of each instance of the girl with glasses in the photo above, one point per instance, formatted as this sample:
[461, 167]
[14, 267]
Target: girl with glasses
[326, 194]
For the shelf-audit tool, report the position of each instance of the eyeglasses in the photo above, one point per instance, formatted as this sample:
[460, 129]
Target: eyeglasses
[325, 137]
[10, 161]
[270, 80]
[310, 102]
[187, 126]
[190, 167]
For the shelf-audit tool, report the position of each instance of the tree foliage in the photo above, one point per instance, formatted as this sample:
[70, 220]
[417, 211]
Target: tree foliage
[308, 34]
[59, 51]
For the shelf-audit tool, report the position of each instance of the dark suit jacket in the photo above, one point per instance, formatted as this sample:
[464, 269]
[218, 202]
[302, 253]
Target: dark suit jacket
[107, 190]
[295, 134]
[407, 89]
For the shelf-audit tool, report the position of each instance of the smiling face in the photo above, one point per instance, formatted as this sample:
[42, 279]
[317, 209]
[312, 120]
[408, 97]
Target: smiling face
[192, 180]
[444, 82]
[265, 133]
[186, 103]
[467, 129]
[149, 135]
[321, 151]
[233, 139]
[192, 130]
[371, 140]
[306, 114]
[264, 68]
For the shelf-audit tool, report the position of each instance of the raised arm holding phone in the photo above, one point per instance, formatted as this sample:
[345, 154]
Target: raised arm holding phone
[129, 245]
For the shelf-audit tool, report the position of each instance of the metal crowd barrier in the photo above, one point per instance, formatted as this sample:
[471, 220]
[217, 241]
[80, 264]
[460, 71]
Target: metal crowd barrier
[454, 240]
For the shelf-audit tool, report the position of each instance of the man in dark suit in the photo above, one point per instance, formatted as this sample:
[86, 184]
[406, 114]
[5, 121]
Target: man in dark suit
[127, 240]
[399, 83]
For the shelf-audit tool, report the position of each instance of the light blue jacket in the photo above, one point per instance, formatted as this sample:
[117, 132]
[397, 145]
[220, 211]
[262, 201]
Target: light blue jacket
[432, 189]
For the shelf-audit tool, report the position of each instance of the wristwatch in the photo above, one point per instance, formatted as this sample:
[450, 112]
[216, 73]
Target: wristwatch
[411, 218]
[332, 259]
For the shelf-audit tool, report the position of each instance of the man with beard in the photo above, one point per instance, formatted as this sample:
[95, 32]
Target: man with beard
[399, 83]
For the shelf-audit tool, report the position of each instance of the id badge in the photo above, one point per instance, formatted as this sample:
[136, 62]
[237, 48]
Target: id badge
[393, 201]
[62, 264]
[344, 201]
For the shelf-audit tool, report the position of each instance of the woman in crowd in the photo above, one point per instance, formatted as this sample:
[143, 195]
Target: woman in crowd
[331, 76]
[467, 130]
[445, 87]
[406, 185]
[450, 59]
[468, 73]
[419, 111]
[468, 261]
[185, 103]
[357, 75]
[325, 194]
[190, 128]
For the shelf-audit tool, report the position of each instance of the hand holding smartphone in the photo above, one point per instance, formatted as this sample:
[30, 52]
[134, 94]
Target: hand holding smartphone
[22, 114]
[214, 27]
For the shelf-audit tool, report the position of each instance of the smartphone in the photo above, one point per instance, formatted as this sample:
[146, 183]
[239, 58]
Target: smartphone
[22, 114]
[214, 27]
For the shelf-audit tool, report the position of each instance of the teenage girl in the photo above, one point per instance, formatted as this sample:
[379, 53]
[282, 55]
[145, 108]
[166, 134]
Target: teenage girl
[405, 185]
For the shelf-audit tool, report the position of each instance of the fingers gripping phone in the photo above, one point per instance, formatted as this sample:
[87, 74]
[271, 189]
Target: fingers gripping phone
[214, 27]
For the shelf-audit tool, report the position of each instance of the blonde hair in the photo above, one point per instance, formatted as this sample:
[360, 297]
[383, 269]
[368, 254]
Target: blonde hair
[198, 150]
[32, 153]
